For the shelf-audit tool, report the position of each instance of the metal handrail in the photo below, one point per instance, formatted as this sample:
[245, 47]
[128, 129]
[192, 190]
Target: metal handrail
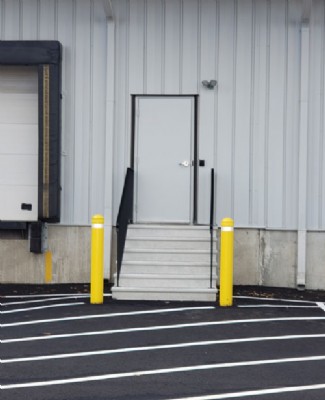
[211, 223]
[125, 216]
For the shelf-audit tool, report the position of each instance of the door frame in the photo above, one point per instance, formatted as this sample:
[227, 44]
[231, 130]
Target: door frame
[195, 161]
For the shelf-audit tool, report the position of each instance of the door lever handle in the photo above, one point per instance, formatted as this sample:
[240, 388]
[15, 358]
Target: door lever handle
[184, 164]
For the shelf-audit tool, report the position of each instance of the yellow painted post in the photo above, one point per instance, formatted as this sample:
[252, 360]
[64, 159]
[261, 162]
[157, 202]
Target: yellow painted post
[97, 260]
[48, 267]
[226, 262]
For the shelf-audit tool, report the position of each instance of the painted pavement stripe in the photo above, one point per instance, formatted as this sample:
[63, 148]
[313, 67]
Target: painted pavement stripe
[22, 296]
[260, 392]
[162, 371]
[321, 305]
[273, 306]
[274, 299]
[110, 315]
[42, 307]
[44, 300]
[162, 327]
[160, 347]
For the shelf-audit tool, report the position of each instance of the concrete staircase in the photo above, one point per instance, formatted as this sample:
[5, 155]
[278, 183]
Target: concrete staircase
[167, 262]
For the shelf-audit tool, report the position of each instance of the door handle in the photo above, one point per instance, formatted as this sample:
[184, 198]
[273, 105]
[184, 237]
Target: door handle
[184, 164]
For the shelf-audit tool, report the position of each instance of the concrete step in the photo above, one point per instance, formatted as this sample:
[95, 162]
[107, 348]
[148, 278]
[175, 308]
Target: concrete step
[170, 255]
[167, 262]
[171, 231]
[191, 243]
[184, 281]
[164, 294]
[168, 268]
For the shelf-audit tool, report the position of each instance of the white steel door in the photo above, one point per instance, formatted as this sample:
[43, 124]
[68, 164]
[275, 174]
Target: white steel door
[18, 143]
[163, 159]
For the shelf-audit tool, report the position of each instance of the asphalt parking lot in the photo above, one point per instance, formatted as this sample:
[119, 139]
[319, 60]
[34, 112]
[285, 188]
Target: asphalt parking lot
[55, 345]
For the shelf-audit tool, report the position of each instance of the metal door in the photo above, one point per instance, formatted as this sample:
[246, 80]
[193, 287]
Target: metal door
[164, 128]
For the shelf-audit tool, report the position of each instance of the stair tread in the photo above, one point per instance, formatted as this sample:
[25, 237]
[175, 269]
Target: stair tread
[172, 289]
[165, 276]
[170, 226]
[169, 238]
[166, 263]
[172, 251]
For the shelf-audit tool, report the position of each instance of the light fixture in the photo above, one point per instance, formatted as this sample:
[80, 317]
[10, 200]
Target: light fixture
[210, 84]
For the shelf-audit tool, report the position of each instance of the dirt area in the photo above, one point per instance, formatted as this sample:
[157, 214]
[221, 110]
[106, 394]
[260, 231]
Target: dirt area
[283, 293]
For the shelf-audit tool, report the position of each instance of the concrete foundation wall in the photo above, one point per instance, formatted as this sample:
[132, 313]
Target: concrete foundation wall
[315, 274]
[70, 250]
[269, 258]
[262, 257]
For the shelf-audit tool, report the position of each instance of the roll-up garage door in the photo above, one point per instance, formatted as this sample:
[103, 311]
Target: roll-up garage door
[18, 143]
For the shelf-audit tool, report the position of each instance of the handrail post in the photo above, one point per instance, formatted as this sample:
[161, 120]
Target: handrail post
[124, 217]
[211, 223]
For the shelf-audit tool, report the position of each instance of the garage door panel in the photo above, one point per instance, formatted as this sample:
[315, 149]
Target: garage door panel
[18, 79]
[11, 200]
[18, 170]
[18, 139]
[18, 108]
[18, 143]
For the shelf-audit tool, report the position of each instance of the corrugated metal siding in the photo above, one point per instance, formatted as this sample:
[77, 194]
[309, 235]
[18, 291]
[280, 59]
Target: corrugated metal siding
[316, 170]
[81, 28]
[249, 126]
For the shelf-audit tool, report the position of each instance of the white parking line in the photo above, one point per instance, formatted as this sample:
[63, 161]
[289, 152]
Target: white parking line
[272, 306]
[23, 296]
[110, 315]
[160, 347]
[261, 392]
[321, 305]
[162, 371]
[41, 307]
[161, 327]
[274, 299]
[44, 300]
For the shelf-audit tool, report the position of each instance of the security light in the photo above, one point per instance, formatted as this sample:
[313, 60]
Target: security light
[209, 84]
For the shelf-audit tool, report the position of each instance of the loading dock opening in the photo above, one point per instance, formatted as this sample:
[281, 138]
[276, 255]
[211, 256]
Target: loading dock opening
[19, 143]
[30, 138]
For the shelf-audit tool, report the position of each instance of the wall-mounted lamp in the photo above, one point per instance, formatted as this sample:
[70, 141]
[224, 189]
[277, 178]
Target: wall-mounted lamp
[210, 84]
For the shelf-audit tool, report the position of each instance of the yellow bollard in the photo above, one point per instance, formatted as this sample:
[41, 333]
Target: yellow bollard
[97, 260]
[226, 262]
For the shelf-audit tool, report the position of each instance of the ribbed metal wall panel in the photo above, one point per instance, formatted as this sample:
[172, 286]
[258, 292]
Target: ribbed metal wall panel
[81, 28]
[316, 171]
[249, 126]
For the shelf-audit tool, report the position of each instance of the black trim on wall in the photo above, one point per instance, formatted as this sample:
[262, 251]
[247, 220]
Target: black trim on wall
[196, 160]
[30, 52]
[47, 56]
[133, 111]
[49, 143]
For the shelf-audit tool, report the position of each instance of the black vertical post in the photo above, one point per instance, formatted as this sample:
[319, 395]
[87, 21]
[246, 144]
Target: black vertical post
[125, 216]
[211, 223]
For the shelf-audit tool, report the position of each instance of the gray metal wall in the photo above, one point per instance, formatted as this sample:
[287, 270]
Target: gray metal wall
[249, 127]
